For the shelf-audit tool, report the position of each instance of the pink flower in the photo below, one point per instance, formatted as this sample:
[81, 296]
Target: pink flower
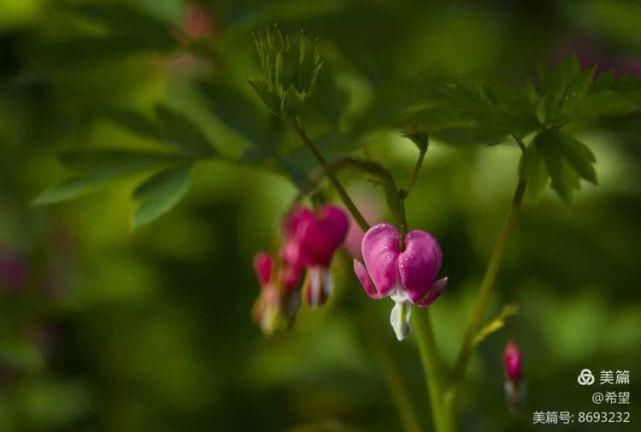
[407, 276]
[311, 239]
[278, 302]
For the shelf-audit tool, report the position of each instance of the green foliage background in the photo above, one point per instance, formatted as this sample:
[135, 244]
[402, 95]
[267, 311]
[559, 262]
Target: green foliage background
[123, 329]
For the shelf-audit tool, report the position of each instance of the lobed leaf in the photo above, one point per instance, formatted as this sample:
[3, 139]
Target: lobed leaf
[100, 168]
[566, 160]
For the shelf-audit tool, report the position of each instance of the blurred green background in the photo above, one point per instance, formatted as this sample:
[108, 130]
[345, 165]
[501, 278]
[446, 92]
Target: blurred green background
[102, 328]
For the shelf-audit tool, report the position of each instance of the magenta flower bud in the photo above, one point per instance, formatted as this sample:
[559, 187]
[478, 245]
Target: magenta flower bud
[512, 362]
[407, 276]
[514, 388]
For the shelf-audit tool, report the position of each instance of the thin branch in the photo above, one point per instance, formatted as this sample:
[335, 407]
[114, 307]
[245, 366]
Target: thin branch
[351, 207]
[519, 141]
[417, 168]
[485, 292]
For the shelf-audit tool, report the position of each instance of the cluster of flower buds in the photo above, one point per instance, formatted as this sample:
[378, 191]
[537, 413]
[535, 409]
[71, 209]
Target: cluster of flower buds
[407, 272]
[514, 389]
[290, 66]
[310, 240]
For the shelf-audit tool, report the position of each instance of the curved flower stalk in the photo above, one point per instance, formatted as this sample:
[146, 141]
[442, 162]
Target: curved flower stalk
[407, 276]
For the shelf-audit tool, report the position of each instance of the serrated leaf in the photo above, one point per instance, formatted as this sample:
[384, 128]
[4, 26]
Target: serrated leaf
[579, 156]
[159, 194]
[563, 182]
[562, 90]
[566, 160]
[610, 96]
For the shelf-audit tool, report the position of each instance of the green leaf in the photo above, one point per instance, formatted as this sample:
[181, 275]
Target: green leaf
[183, 133]
[123, 31]
[534, 171]
[84, 184]
[461, 110]
[159, 194]
[136, 123]
[121, 160]
[237, 110]
[611, 96]
[170, 127]
[579, 156]
[99, 168]
[496, 324]
[565, 179]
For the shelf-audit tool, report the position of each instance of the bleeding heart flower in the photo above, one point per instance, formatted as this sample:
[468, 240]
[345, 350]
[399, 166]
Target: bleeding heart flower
[407, 276]
[311, 239]
[278, 302]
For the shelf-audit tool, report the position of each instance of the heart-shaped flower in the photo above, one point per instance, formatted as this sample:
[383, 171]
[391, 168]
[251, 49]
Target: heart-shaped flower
[407, 276]
[311, 239]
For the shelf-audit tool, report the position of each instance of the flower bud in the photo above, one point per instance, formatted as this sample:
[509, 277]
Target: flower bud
[514, 388]
[290, 66]
[512, 362]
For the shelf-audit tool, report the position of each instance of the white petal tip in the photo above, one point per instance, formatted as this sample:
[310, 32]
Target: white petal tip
[400, 320]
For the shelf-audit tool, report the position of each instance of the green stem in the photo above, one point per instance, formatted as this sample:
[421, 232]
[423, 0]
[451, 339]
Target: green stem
[520, 143]
[485, 292]
[417, 168]
[433, 369]
[379, 172]
[356, 214]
